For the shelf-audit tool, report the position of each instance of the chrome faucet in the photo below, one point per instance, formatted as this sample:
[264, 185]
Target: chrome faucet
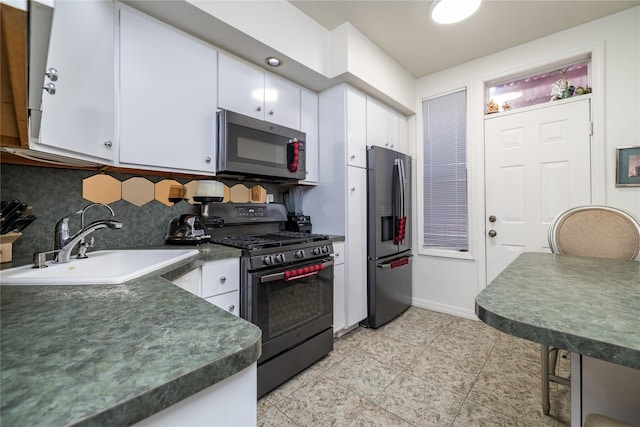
[64, 242]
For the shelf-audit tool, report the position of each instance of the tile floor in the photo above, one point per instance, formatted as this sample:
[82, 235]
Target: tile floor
[422, 369]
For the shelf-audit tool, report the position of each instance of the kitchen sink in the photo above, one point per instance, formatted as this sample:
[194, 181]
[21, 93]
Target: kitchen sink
[102, 267]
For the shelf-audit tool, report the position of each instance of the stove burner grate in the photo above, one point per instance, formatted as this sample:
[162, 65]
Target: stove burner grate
[270, 240]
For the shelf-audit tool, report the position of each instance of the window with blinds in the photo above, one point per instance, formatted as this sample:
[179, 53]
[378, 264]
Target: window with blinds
[445, 172]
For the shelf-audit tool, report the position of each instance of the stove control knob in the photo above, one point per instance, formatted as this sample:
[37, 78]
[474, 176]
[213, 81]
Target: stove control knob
[299, 253]
[279, 258]
[325, 249]
[267, 260]
[316, 251]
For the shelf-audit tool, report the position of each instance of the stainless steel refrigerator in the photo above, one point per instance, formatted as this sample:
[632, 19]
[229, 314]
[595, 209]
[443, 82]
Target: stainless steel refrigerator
[388, 235]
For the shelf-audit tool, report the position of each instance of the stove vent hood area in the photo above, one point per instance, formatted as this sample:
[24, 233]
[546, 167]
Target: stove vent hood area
[25, 46]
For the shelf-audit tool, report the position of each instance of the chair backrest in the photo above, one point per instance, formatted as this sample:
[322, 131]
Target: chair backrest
[596, 231]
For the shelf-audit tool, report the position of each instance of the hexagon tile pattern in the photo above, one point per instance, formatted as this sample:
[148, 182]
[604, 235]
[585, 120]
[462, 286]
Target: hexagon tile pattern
[138, 191]
[101, 188]
[162, 189]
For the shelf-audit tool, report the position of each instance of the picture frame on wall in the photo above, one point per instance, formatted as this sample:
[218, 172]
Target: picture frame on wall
[628, 167]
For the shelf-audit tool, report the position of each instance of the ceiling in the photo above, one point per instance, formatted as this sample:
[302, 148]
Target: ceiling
[404, 31]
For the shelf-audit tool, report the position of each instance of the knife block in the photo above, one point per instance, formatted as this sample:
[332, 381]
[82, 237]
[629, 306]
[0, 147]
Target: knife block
[6, 245]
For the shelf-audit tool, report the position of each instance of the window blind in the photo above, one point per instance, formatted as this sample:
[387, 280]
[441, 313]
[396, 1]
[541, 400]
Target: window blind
[445, 171]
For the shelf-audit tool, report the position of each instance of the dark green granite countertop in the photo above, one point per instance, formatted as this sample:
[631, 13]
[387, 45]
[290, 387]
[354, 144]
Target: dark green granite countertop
[589, 306]
[115, 354]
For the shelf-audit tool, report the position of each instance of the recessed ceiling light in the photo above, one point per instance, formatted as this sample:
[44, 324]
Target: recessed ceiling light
[452, 11]
[273, 61]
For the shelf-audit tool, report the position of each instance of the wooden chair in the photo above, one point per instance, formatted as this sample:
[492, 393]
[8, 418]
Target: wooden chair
[587, 231]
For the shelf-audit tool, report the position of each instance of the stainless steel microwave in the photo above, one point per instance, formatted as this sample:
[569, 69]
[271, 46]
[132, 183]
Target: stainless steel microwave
[256, 148]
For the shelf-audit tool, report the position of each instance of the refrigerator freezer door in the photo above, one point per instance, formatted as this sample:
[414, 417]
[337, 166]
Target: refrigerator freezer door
[389, 289]
[388, 202]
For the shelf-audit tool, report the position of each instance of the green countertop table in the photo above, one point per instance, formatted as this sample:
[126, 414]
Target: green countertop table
[590, 306]
[115, 354]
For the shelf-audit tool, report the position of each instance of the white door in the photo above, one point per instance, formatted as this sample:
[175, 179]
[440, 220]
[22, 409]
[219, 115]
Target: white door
[537, 163]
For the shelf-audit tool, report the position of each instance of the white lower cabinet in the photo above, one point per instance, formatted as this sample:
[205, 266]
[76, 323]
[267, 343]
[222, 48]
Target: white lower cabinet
[356, 247]
[231, 402]
[339, 294]
[338, 202]
[218, 282]
[190, 281]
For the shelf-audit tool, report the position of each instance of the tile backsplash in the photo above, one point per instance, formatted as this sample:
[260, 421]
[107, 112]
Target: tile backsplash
[54, 193]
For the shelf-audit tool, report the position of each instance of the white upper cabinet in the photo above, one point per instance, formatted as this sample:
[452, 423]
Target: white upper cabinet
[356, 128]
[397, 131]
[309, 125]
[168, 97]
[281, 102]
[377, 124]
[385, 127]
[248, 90]
[240, 87]
[79, 117]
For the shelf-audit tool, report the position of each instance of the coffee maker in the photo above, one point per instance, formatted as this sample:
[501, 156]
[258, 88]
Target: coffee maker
[296, 221]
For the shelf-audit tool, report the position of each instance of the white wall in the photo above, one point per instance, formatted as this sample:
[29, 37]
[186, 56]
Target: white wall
[343, 54]
[450, 285]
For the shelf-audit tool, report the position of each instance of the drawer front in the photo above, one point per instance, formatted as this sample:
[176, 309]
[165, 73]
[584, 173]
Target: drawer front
[219, 277]
[229, 301]
[338, 253]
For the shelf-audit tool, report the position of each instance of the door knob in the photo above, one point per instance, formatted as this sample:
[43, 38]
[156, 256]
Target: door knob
[493, 233]
[492, 218]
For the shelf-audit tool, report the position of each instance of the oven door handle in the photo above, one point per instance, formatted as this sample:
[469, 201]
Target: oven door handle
[282, 275]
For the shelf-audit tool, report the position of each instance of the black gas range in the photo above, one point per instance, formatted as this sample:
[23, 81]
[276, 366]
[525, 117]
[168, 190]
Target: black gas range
[286, 287]
[283, 247]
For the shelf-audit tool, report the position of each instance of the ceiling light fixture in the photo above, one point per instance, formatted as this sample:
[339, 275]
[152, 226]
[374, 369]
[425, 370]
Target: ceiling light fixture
[452, 11]
[273, 61]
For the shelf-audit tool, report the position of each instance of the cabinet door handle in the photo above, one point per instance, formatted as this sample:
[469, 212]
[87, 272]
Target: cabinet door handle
[207, 159]
[108, 144]
[258, 108]
[50, 88]
[271, 112]
[52, 73]
[232, 307]
[223, 279]
[353, 156]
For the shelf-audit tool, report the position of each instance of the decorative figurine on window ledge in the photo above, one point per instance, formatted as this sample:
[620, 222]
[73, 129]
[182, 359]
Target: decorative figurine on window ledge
[492, 107]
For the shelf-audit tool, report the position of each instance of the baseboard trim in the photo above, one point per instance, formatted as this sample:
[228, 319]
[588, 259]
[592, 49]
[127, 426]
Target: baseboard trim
[443, 308]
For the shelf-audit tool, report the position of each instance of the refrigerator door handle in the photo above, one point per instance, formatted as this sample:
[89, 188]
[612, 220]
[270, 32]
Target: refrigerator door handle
[399, 190]
[400, 219]
[403, 186]
[396, 263]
